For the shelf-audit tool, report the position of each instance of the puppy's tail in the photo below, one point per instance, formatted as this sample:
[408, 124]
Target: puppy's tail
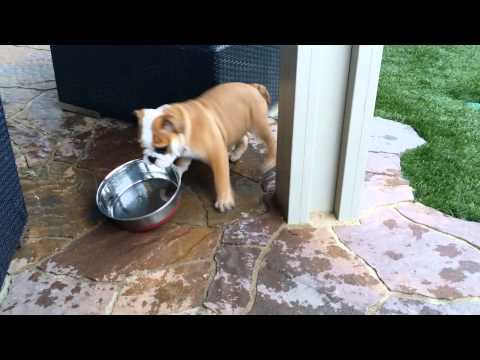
[264, 92]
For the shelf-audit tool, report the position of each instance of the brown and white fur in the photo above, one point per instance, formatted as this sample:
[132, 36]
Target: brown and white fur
[205, 129]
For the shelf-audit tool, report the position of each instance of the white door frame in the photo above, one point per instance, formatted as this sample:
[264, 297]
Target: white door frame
[327, 96]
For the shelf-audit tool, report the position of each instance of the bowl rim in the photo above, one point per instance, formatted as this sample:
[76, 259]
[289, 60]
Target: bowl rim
[122, 167]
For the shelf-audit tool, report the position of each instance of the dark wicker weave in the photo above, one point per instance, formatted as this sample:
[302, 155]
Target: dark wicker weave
[115, 80]
[13, 214]
[250, 64]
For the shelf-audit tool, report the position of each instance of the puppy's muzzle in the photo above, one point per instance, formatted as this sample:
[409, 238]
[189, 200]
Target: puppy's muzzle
[151, 159]
[156, 159]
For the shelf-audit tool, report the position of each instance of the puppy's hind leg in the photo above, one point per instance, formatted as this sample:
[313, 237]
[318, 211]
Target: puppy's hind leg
[239, 150]
[264, 132]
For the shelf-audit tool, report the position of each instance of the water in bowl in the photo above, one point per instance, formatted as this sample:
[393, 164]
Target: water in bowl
[143, 198]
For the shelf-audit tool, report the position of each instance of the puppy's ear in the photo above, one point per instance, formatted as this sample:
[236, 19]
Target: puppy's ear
[173, 122]
[168, 125]
[139, 116]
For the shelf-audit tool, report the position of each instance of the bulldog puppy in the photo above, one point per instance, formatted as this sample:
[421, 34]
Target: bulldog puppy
[211, 128]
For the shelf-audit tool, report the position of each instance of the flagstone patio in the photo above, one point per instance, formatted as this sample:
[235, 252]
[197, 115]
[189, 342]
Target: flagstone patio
[399, 258]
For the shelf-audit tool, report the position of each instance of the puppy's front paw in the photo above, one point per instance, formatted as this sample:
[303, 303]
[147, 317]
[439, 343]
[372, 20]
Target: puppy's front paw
[225, 204]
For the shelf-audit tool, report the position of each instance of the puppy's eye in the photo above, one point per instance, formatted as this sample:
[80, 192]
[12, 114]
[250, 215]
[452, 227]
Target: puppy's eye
[162, 150]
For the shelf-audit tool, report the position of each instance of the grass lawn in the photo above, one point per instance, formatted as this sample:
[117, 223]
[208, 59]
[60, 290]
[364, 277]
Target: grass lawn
[426, 87]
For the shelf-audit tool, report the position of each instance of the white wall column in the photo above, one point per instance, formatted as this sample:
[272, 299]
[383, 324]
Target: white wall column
[321, 127]
[365, 67]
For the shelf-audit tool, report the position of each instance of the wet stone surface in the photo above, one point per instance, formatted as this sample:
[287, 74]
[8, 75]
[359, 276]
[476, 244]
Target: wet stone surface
[191, 210]
[229, 293]
[20, 159]
[250, 164]
[36, 293]
[60, 201]
[111, 254]
[31, 144]
[110, 148]
[35, 251]
[42, 130]
[253, 230]
[168, 291]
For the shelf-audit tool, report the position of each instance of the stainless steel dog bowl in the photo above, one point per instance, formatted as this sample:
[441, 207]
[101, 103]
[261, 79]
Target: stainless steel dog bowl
[139, 197]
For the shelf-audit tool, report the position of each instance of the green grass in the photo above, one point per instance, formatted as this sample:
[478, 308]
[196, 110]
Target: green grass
[426, 87]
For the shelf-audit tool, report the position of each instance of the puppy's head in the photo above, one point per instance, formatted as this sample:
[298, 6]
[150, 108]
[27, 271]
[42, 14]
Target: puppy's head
[162, 134]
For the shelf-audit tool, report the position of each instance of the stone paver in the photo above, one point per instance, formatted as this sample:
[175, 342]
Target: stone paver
[20, 66]
[42, 129]
[229, 292]
[167, 291]
[15, 100]
[253, 230]
[308, 272]
[411, 258]
[191, 210]
[4, 288]
[45, 114]
[34, 251]
[384, 184]
[61, 206]
[383, 164]
[195, 311]
[35, 293]
[401, 306]
[250, 164]
[86, 137]
[32, 144]
[389, 136]
[110, 148]
[380, 190]
[467, 230]
[111, 254]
